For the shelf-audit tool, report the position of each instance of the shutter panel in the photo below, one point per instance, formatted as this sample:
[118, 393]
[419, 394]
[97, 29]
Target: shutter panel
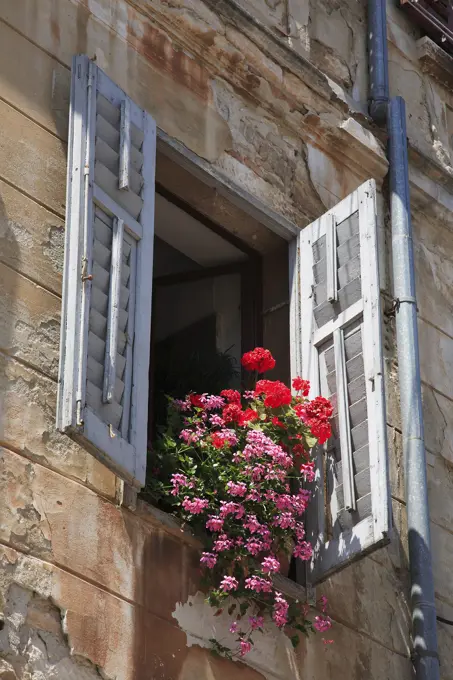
[107, 285]
[336, 343]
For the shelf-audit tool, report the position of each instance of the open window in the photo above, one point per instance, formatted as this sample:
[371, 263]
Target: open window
[210, 297]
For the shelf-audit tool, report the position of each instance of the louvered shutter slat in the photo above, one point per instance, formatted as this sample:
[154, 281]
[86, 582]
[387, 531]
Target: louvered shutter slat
[336, 343]
[127, 351]
[95, 374]
[125, 145]
[108, 273]
[344, 422]
[111, 159]
[108, 181]
[96, 350]
[109, 414]
[116, 266]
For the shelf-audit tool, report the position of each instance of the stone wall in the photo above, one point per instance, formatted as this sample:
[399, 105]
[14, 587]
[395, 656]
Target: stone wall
[90, 588]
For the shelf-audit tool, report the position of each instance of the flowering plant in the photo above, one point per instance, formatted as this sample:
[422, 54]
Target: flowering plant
[239, 464]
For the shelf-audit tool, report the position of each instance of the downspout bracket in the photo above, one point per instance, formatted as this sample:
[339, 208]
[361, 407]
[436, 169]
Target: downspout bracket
[421, 653]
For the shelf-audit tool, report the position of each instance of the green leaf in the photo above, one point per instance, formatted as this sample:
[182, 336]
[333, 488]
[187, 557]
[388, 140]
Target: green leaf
[294, 641]
[299, 626]
[213, 600]
[310, 440]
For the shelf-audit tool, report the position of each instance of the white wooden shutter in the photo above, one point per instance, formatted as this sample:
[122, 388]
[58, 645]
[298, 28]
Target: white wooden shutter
[107, 285]
[337, 344]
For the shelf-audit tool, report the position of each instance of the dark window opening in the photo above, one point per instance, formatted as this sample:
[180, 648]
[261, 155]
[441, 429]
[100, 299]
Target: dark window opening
[206, 302]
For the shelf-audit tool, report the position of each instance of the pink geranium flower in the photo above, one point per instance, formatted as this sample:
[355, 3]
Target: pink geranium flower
[208, 559]
[270, 565]
[237, 489]
[256, 622]
[246, 646]
[322, 623]
[258, 584]
[228, 583]
[214, 523]
[195, 506]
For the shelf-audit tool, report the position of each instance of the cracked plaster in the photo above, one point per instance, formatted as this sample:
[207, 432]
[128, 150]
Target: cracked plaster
[33, 641]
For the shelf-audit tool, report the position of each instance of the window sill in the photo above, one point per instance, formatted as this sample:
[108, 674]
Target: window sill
[171, 525]
[435, 62]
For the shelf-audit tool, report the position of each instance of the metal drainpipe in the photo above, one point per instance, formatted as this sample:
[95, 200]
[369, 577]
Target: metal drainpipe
[378, 61]
[424, 626]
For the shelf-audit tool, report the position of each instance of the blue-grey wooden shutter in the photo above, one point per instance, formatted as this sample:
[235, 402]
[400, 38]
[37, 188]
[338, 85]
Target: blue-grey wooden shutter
[107, 284]
[336, 342]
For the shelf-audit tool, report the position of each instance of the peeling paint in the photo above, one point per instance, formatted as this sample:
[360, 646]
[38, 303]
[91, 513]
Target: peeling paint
[272, 655]
[33, 644]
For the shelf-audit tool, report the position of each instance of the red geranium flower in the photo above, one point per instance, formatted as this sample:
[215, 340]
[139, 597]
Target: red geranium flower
[299, 450]
[301, 385]
[196, 400]
[248, 415]
[232, 396]
[276, 393]
[218, 441]
[232, 413]
[316, 414]
[259, 359]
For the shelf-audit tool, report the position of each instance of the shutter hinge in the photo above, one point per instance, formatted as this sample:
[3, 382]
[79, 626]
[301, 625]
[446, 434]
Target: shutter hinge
[372, 375]
[423, 653]
[85, 275]
[79, 419]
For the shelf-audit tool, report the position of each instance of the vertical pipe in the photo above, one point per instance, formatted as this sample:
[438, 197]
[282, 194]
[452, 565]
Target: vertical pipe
[424, 627]
[378, 61]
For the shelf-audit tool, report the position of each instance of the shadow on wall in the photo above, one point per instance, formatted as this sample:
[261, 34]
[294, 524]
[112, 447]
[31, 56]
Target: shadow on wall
[170, 574]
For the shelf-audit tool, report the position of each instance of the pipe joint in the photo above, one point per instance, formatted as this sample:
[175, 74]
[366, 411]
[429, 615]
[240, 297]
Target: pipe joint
[378, 110]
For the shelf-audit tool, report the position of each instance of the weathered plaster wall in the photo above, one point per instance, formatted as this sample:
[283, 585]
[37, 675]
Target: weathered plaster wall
[90, 589]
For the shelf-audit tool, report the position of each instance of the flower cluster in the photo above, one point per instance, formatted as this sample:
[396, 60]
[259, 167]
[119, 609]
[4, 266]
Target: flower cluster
[275, 393]
[259, 359]
[241, 463]
[316, 415]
